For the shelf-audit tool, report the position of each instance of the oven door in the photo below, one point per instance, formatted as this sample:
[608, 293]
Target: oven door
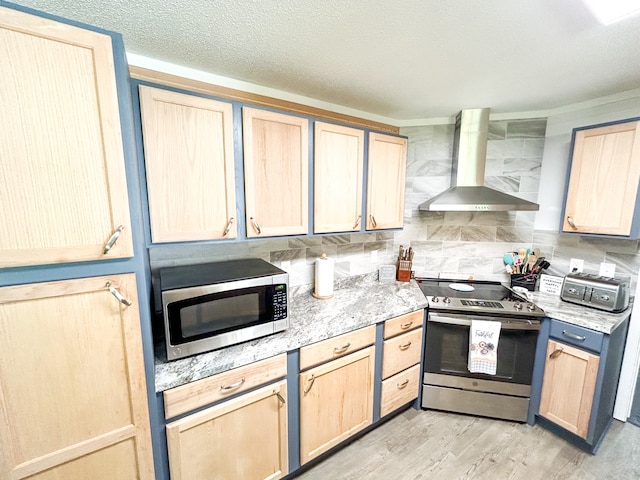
[447, 348]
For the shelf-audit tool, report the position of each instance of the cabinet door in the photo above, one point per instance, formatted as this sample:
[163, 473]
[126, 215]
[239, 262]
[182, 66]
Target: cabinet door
[243, 438]
[386, 181]
[338, 162]
[276, 173]
[62, 176]
[188, 154]
[603, 183]
[336, 401]
[72, 382]
[568, 387]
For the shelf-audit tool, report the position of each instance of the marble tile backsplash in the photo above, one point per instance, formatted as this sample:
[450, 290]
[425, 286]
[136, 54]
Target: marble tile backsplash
[461, 243]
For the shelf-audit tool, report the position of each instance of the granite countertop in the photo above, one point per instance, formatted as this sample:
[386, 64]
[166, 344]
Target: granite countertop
[591, 318]
[357, 302]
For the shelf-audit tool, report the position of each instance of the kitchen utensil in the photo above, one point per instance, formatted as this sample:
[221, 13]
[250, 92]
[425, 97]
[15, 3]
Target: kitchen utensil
[508, 258]
[531, 261]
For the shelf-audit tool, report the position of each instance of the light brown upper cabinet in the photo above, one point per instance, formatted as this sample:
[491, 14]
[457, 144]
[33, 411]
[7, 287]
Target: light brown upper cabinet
[72, 382]
[62, 179]
[386, 181]
[338, 167]
[276, 173]
[603, 184]
[188, 154]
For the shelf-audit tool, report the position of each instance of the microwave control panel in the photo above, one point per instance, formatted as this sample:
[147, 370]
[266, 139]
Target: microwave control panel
[279, 302]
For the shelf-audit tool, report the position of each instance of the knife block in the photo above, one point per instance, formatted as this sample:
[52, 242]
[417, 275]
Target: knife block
[404, 271]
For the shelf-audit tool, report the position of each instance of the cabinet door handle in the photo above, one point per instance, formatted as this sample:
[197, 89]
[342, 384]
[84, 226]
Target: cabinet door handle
[405, 346]
[112, 239]
[117, 294]
[255, 225]
[402, 385]
[357, 224]
[404, 326]
[228, 227]
[233, 385]
[373, 221]
[280, 397]
[556, 353]
[342, 349]
[579, 338]
[311, 380]
[570, 222]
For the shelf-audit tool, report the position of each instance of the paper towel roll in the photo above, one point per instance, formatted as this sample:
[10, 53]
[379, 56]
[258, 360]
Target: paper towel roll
[324, 277]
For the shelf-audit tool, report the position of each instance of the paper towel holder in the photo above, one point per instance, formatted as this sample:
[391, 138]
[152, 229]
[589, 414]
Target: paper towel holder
[315, 295]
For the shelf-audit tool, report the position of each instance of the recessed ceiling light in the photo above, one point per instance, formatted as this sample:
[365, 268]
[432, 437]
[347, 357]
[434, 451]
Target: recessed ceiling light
[611, 11]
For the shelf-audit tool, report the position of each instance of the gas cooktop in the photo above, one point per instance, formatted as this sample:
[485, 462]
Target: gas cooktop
[476, 296]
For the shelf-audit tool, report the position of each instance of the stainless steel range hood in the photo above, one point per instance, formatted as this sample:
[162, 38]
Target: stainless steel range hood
[467, 192]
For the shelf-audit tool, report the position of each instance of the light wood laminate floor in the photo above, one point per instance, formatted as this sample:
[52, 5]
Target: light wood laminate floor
[445, 446]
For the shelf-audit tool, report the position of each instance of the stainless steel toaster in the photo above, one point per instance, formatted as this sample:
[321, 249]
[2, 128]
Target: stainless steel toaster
[604, 293]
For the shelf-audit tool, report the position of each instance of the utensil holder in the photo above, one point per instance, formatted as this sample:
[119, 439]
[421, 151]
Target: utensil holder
[404, 271]
[527, 281]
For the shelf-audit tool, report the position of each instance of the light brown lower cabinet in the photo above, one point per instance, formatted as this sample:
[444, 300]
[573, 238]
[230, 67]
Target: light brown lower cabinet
[568, 387]
[399, 390]
[336, 401]
[242, 438]
[72, 383]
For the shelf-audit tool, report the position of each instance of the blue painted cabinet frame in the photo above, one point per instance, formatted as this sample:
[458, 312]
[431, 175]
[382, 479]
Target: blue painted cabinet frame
[610, 353]
[635, 225]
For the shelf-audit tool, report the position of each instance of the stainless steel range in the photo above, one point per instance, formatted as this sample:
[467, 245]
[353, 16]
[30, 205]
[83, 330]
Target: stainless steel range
[447, 383]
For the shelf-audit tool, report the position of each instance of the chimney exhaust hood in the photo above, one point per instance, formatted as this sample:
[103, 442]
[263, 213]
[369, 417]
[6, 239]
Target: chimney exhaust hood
[467, 192]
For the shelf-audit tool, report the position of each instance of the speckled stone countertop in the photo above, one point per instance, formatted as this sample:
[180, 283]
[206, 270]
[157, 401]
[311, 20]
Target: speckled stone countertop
[591, 318]
[357, 302]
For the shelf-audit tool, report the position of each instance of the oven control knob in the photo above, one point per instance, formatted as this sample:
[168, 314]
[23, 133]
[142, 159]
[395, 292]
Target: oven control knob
[531, 307]
[446, 300]
[517, 306]
[434, 299]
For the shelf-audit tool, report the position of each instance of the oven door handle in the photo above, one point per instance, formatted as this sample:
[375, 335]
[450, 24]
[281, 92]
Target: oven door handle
[464, 320]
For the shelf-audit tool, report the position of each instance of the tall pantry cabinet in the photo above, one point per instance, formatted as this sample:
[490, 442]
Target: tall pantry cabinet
[73, 394]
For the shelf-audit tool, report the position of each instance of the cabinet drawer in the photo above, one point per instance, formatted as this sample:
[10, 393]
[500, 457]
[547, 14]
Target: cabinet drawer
[401, 352]
[403, 323]
[578, 336]
[336, 347]
[399, 390]
[196, 394]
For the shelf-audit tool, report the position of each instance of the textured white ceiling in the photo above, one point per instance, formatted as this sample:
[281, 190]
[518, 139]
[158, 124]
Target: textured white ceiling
[400, 59]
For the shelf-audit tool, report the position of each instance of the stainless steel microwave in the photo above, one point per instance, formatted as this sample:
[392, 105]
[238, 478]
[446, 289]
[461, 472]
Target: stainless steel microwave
[214, 305]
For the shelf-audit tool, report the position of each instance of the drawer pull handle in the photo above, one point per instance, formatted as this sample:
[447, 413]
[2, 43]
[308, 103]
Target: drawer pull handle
[571, 223]
[556, 353]
[580, 338]
[255, 225]
[357, 224]
[228, 227]
[233, 385]
[404, 326]
[112, 239]
[280, 397]
[311, 380]
[403, 384]
[118, 295]
[405, 346]
[342, 349]
[373, 221]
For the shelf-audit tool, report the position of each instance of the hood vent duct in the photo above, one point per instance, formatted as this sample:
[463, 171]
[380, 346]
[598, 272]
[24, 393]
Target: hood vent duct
[467, 192]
